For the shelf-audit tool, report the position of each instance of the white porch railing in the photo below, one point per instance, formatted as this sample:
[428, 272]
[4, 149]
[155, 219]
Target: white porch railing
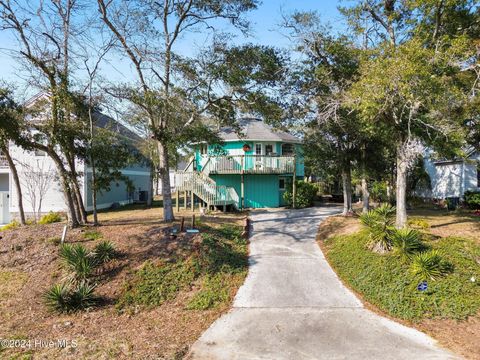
[250, 164]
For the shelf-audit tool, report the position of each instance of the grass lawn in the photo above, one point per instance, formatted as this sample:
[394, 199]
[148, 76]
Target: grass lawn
[157, 297]
[449, 310]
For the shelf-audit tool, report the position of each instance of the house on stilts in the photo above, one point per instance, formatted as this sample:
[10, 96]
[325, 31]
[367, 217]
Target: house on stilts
[251, 168]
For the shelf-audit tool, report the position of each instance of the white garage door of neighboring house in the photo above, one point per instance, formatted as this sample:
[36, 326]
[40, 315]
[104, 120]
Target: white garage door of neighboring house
[4, 208]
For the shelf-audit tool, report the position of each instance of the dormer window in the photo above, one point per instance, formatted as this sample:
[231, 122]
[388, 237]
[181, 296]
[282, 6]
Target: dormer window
[203, 149]
[288, 149]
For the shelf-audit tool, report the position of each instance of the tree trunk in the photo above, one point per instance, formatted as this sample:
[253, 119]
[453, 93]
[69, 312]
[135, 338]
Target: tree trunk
[150, 190]
[82, 213]
[365, 192]
[347, 191]
[16, 180]
[65, 178]
[365, 196]
[94, 191]
[165, 178]
[401, 191]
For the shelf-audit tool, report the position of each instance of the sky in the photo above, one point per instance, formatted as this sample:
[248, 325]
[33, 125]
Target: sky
[264, 24]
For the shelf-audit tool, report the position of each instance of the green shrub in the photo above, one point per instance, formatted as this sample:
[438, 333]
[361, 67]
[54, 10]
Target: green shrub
[406, 242]
[378, 191]
[104, 252]
[50, 218]
[10, 226]
[83, 296]
[305, 194]
[472, 199]
[58, 297]
[429, 265]
[379, 223]
[65, 298]
[79, 260]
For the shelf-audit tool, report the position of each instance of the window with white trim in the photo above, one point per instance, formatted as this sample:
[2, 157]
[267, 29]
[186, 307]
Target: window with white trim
[281, 184]
[258, 149]
[288, 149]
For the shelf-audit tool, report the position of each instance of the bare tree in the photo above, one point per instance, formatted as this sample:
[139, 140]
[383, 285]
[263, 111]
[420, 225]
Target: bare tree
[37, 180]
[44, 31]
[148, 40]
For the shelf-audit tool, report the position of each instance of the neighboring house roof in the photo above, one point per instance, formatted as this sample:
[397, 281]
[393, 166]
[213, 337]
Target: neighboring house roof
[471, 152]
[106, 122]
[101, 120]
[256, 130]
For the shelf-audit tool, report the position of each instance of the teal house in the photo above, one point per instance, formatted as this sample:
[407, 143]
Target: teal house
[251, 168]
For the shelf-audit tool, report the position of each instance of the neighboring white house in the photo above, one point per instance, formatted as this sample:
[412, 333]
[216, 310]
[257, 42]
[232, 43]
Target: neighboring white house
[452, 178]
[38, 176]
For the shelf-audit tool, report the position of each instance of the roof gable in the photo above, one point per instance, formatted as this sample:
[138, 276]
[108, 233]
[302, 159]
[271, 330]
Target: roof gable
[252, 129]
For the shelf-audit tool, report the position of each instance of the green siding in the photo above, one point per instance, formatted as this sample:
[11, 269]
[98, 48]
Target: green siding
[260, 190]
[228, 180]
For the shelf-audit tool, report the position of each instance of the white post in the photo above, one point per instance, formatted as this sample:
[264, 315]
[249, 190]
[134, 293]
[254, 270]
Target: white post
[64, 235]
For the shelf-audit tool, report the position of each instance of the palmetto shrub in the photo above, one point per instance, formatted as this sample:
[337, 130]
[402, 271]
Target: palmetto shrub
[379, 223]
[83, 296]
[104, 252]
[429, 265]
[67, 297]
[57, 297]
[79, 260]
[406, 242]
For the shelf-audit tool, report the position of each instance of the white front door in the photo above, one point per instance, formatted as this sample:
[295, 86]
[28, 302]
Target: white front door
[4, 208]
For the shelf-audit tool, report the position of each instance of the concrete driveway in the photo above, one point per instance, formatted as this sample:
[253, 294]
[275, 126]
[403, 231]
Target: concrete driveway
[293, 306]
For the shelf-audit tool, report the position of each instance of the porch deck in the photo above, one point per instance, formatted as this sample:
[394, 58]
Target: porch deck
[247, 164]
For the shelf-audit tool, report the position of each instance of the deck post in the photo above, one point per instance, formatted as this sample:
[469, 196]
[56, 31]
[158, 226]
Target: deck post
[185, 199]
[192, 201]
[242, 186]
[177, 199]
[294, 185]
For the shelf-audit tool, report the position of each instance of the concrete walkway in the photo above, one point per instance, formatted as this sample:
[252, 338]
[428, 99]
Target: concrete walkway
[292, 305]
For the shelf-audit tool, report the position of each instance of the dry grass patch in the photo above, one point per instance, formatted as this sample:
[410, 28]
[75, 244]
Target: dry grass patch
[443, 223]
[11, 282]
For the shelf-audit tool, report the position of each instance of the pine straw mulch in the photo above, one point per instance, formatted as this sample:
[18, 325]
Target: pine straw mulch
[29, 265]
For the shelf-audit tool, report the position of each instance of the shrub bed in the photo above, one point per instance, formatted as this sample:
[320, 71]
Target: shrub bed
[390, 282]
[305, 194]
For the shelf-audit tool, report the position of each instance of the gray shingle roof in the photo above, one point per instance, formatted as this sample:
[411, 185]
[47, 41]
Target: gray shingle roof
[256, 130]
[106, 122]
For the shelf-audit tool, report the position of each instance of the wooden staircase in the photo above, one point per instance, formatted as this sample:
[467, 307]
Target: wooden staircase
[206, 189]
